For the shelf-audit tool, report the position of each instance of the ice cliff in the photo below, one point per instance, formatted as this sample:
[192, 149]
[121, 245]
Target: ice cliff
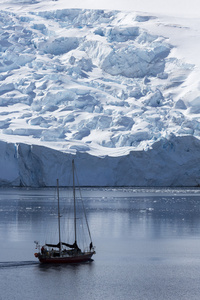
[170, 162]
[110, 89]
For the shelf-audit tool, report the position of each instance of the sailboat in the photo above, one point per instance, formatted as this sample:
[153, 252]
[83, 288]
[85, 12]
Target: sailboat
[64, 252]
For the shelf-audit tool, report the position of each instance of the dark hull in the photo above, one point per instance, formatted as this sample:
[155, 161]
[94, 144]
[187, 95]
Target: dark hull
[66, 260]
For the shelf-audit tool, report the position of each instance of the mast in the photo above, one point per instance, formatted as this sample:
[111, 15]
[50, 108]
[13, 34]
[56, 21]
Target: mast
[74, 201]
[59, 217]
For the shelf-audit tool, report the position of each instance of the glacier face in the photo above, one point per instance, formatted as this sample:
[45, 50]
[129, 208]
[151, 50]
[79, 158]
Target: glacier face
[100, 85]
[170, 162]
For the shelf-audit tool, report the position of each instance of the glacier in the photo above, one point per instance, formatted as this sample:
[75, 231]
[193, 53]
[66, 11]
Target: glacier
[170, 162]
[118, 91]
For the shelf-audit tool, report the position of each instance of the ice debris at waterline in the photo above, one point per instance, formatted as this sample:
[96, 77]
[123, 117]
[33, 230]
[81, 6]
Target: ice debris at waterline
[117, 90]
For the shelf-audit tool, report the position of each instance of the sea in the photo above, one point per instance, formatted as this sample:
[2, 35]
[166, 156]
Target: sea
[147, 243]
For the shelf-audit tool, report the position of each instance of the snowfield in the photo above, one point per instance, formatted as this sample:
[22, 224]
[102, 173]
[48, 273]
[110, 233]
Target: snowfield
[116, 90]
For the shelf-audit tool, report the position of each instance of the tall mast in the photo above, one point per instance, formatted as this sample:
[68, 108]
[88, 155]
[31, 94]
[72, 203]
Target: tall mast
[59, 217]
[74, 201]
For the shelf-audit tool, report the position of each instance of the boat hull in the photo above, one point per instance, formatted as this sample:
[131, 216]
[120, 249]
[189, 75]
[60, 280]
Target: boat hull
[66, 260]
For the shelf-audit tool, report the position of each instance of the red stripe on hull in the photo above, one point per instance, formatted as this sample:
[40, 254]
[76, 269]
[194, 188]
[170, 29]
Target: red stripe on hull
[66, 260]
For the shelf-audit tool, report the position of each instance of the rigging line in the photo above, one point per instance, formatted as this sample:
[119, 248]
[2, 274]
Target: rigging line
[50, 234]
[83, 206]
[59, 215]
[69, 203]
[84, 241]
[73, 167]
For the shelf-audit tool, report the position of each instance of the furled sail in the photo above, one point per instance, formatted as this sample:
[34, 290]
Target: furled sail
[73, 246]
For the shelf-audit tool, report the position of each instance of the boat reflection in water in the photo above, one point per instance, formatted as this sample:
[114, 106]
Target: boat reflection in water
[63, 252]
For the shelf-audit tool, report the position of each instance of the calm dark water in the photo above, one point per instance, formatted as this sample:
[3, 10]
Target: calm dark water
[147, 243]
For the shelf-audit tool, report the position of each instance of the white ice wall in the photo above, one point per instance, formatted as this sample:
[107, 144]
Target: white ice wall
[173, 162]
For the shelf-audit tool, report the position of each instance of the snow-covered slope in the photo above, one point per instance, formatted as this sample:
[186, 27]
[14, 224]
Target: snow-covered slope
[111, 87]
